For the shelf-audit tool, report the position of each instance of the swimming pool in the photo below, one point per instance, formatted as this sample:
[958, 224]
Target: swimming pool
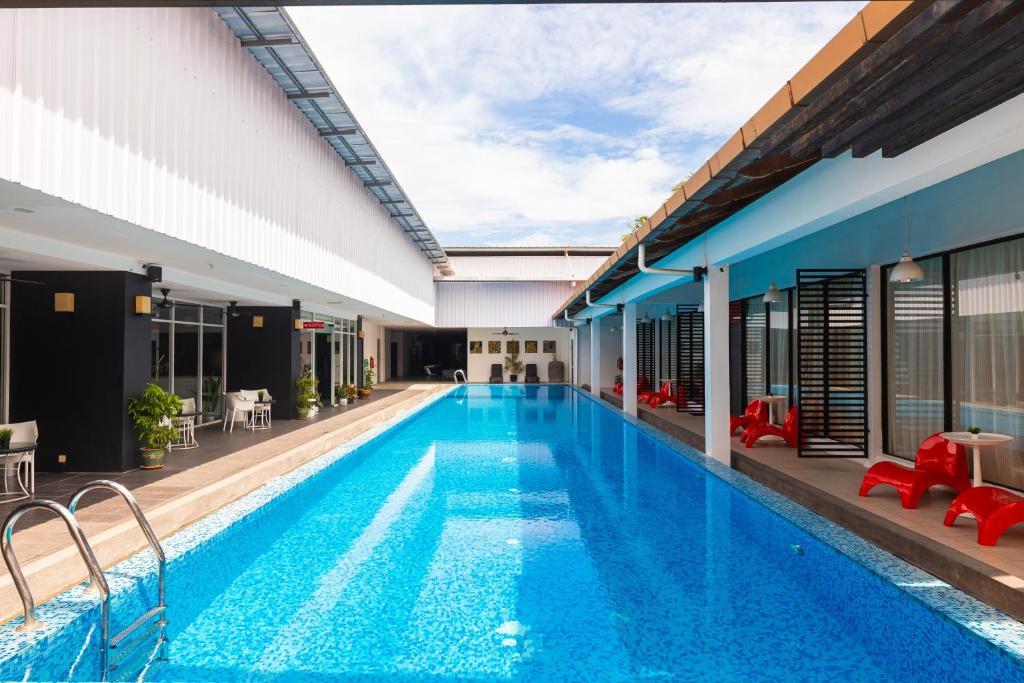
[530, 533]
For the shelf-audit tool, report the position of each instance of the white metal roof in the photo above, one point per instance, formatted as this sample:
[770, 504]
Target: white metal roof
[538, 264]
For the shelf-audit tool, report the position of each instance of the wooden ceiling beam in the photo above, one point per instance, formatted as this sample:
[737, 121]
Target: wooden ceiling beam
[963, 57]
[937, 62]
[924, 27]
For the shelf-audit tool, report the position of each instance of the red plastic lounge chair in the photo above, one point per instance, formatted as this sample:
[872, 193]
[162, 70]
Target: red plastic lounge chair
[789, 430]
[757, 411]
[643, 390]
[617, 389]
[665, 396]
[995, 509]
[938, 462]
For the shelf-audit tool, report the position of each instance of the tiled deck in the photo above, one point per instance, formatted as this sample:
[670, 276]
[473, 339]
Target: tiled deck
[192, 484]
[829, 487]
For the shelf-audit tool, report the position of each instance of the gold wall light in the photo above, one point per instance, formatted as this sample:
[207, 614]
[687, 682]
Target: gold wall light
[360, 334]
[298, 325]
[257, 321]
[64, 302]
[143, 305]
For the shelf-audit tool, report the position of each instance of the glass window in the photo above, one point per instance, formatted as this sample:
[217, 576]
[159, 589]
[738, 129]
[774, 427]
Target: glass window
[160, 354]
[186, 313]
[754, 351]
[914, 355]
[213, 315]
[186, 361]
[779, 350]
[987, 324]
[213, 369]
[3, 352]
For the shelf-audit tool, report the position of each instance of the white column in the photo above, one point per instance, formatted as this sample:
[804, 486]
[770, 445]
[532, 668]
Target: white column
[876, 309]
[629, 405]
[716, 364]
[595, 357]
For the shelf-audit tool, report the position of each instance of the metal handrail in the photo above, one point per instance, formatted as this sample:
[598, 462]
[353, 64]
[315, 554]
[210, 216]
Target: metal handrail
[133, 505]
[455, 376]
[84, 549]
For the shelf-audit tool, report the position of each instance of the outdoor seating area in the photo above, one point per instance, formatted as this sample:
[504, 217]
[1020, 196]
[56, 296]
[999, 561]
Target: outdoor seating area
[18, 443]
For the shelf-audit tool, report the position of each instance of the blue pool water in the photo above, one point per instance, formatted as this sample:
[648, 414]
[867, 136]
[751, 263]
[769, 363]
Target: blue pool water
[530, 534]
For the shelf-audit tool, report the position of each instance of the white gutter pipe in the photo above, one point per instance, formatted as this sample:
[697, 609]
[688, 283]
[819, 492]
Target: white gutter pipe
[641, 262]
[596, 305]
[574, 320]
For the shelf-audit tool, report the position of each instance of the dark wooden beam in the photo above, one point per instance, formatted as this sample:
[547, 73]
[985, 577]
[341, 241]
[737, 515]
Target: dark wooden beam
[966, 53]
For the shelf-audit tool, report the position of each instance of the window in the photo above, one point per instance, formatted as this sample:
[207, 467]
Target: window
[4, 336]
[914, 355]
[754, 349]
[187, 355]
[779, 354]
[954, 356]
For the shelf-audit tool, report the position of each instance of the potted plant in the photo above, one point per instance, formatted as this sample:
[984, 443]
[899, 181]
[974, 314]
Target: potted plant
[348, 392]
[514, 366]
[307, 395]
[261, 395]
[974, 431]
[5, 437]
[153, 414]
[364, 392]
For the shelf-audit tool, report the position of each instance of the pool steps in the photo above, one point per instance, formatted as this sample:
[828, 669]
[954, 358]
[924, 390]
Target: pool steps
[97, 578]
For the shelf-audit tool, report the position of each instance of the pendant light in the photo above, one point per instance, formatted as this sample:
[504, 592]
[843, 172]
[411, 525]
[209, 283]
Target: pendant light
[906, 270]
[646, 319]
[666, 317]
[773, 295]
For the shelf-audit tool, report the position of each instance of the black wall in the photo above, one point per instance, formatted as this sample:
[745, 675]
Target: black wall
[265, 357]
[73, 372]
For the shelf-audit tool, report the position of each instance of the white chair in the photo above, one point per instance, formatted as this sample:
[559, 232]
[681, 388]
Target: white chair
[186, 425]
[261, 411]
[235, 405]
[23, 432]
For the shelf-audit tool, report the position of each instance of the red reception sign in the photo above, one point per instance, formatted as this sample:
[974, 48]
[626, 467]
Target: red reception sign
[313, 324]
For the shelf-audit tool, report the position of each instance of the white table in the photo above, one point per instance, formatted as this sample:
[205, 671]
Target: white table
[976, 442]
[773, 400]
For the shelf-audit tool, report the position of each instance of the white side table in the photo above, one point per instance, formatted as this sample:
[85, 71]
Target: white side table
[773, 402]
[976, 442]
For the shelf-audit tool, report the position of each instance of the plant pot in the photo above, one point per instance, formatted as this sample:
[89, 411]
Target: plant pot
[152, 458]
[302, 413]
[364, 393]
[5, 443]
[343, 401]
[513, 378]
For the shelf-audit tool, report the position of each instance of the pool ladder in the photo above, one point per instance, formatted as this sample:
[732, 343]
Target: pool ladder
[97, 579]
[456, 374]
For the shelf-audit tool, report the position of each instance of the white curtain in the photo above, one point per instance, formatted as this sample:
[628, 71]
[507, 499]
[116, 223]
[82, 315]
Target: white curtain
[914, 359]
[988, 357]
[779, 351]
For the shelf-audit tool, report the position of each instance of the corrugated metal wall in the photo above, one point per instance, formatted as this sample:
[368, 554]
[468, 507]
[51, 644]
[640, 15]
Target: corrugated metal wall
[525, 267]
[160, 118]
[497, 304]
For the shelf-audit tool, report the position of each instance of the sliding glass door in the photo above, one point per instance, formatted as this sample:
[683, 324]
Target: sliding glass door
[187, 355]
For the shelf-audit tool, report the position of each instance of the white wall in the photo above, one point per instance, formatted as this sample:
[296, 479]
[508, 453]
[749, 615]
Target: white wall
[479, 369]
[160, 118]
[372, 333]
[583, 355]
[496, 304]
[611, 349]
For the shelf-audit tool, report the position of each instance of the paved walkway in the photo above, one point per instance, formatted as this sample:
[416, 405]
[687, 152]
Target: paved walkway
[191, 485]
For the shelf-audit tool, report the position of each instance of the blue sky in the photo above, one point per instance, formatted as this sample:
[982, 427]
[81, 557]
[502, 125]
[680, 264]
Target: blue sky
[538, 125]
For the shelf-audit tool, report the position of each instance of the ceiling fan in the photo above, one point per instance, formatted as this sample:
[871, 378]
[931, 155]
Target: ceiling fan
[504, 333]
[165, 303]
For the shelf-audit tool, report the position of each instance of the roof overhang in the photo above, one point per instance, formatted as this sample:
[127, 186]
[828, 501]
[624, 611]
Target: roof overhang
[271, 37]
[897, 75]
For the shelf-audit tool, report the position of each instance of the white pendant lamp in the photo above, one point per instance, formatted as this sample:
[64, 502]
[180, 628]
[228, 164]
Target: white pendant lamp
[666, 317]
[773, 295]
[646, 319]
[906, 270]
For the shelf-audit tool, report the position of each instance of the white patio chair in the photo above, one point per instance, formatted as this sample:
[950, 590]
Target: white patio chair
[236, 404]
[186, 426]
[23, 431]
[261, 411]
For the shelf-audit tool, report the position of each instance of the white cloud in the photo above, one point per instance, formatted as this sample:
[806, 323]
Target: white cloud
[507, 124]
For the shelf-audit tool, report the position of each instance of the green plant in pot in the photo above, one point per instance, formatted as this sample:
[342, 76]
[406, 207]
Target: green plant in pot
[367, 381]
[153, 414]
[307, 395]
[5, 437]
[514, 366]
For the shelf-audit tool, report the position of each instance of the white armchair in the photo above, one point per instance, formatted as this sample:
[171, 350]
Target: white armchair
[236, 406]
[23, 432]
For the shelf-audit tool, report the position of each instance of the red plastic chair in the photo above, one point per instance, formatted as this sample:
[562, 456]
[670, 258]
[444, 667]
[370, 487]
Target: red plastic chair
[665, 396]
[938, 463]
[789, 431]
[617, 389]
[995, 509]
[643, 389]
[757, 411]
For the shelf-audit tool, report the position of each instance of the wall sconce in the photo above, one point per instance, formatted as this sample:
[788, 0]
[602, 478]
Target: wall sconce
[64, 302]
[360, 334]
[143, 305]
[298, 325]
[257, 321]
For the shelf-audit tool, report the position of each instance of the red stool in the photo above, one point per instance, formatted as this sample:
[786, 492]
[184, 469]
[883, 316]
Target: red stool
[995, 509]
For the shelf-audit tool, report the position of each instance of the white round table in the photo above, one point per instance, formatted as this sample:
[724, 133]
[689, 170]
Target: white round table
[773, 400]
[976, 442]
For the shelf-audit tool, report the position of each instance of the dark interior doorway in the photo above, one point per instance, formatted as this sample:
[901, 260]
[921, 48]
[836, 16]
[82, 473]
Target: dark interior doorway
[427, 354]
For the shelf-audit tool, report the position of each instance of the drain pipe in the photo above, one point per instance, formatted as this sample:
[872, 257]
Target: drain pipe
[597, 305]
[641, 262]
[574, 320]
